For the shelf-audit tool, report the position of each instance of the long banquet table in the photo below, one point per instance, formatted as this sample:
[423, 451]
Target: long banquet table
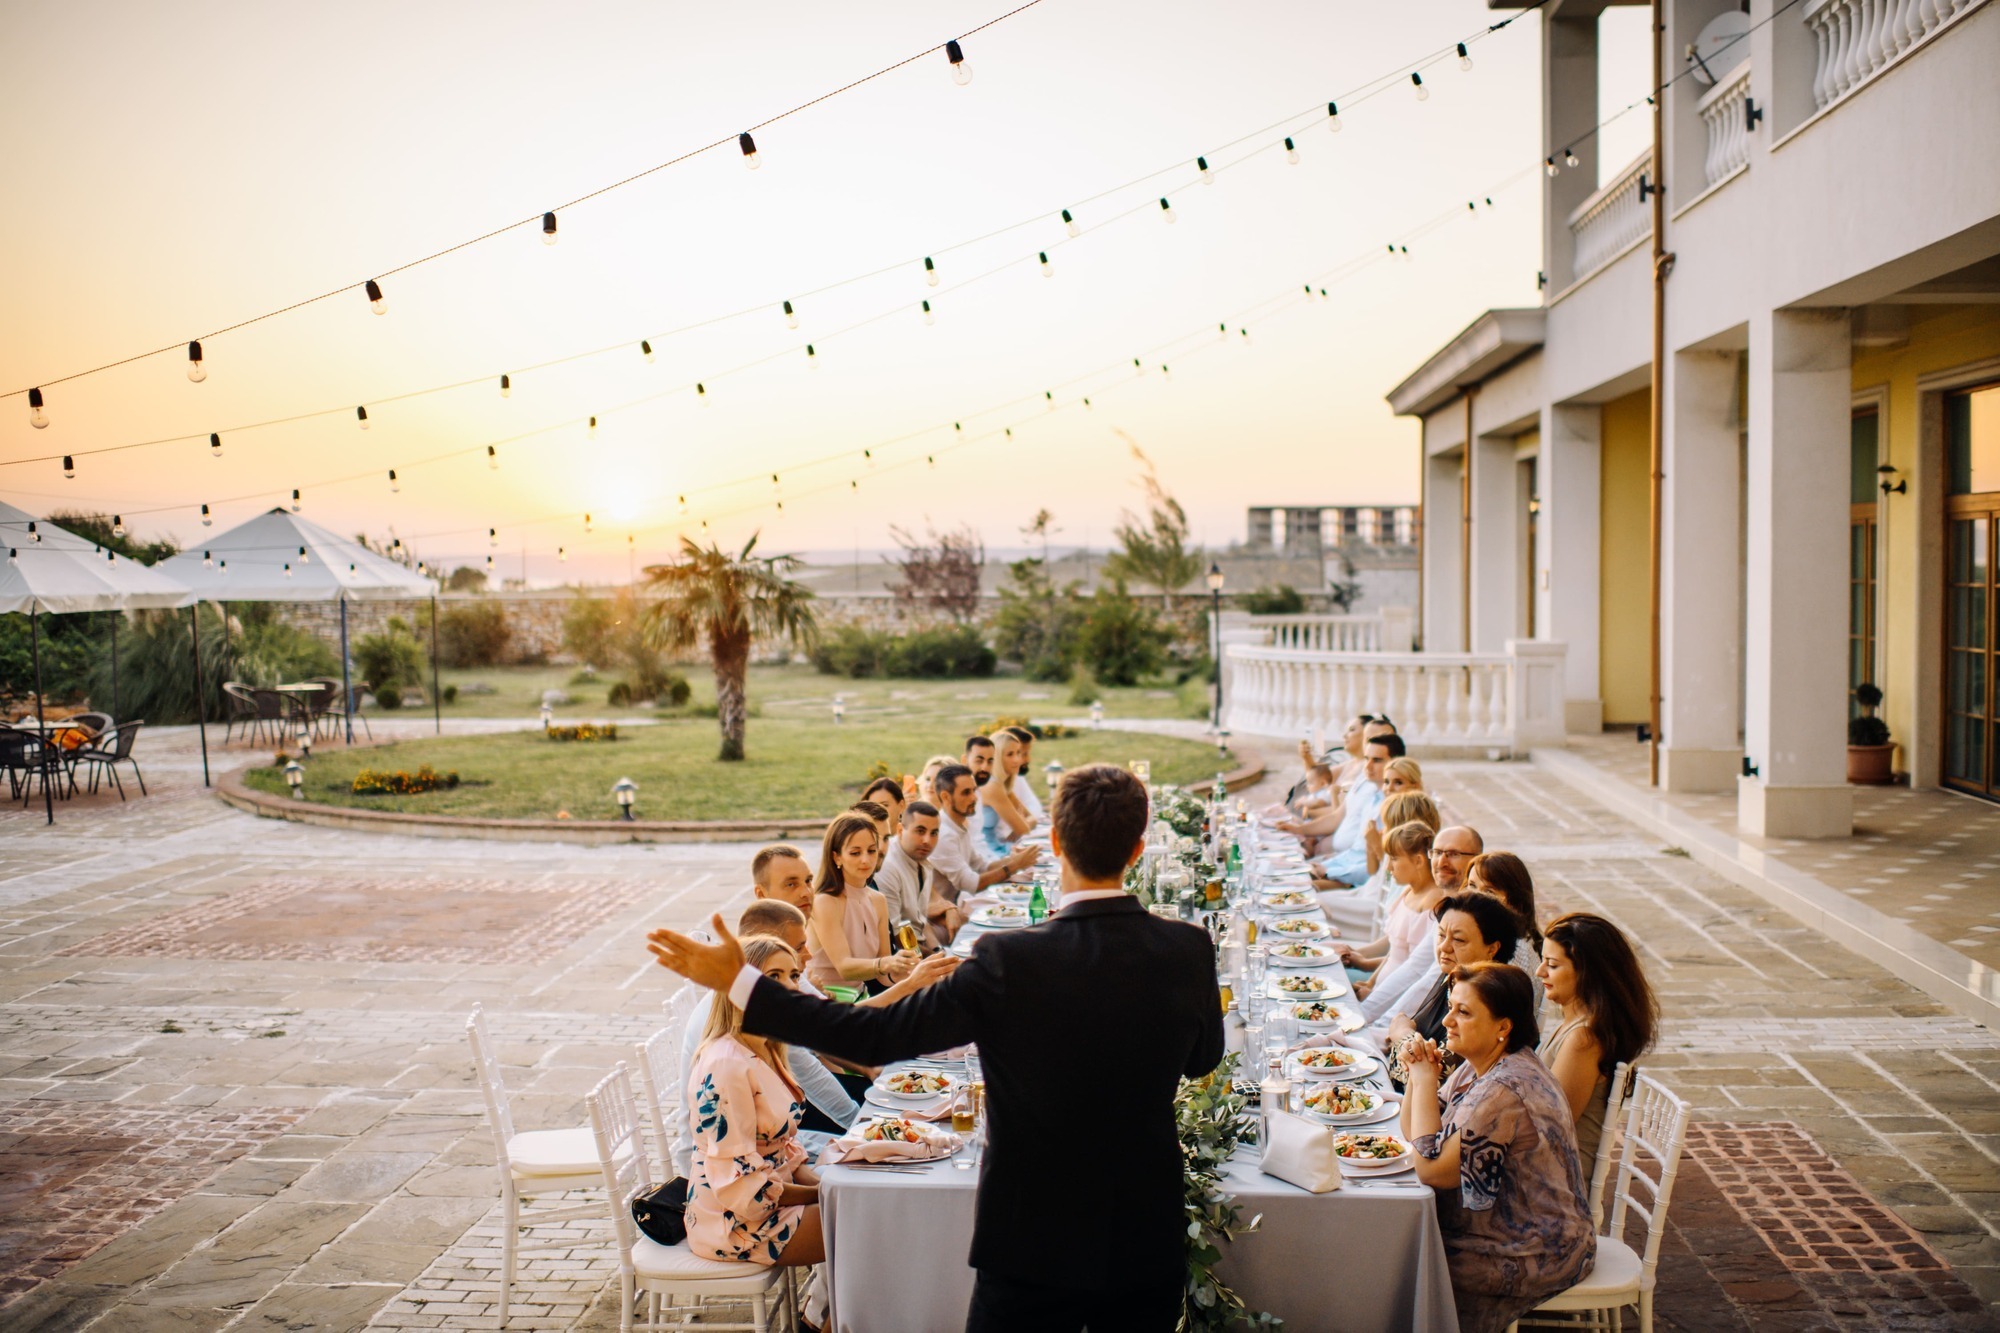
[1364, 1257]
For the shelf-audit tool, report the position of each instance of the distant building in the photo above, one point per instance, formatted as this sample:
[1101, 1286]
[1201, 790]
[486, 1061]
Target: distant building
[1309, 530]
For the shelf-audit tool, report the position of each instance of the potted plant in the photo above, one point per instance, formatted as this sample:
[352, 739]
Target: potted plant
[1869, 754]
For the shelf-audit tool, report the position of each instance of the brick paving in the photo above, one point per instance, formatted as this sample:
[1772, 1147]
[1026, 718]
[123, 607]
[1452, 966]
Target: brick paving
[1824, 1089]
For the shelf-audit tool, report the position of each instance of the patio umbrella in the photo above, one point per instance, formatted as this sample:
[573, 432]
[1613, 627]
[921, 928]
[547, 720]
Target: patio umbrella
[280, 557]
[50, 570]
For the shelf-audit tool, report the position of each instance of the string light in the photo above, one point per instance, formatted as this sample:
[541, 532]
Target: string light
[1138, 365]
[1166, 209]
[749, 147]
[34, 533]
[961, 73]
[492, 536]
[682, 504]
[593, 428]
[207, 560]
[376, 302]
[853, 485]
[1549, 165]
[214, 445]
[812, 357]
[1464, 57]
[1291, 151]
[506, 386]
[647, 348]
[295, 502]
[701, 390]
[929, 318]
[1246, 340]
[562, 555]
[931, 459]
[1086, 404]
[1048, 269]
[69, 467]
[1049, 396]
[1069, 224]
[196, 373]
[549, 221]
[489, 564]
[1207, 176]
[361, 416]
[1332, 118]
[1222, 332]
[1165, 374]
[36, 416]
[586, 523]
[791, 316]
[13, 556]
[207, 519]
[117, 526]
[1569, 157]
[222, 568]
[492, 459]
[304, 558]
[1417, 82]
[930, 272]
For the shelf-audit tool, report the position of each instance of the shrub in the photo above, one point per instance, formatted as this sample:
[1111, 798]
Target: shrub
[389, 697]
[1041, 731]
[1283, 600]
[946, 652]
[449, 693]
[587, 676]
[1083, 687]
[1037, 623]
[376, 782]
[391, 658]
[1121, 641]
[473, 635]
[621, 694]
[652, 682]
[585, 731]
[1867, 731]
[849, 650]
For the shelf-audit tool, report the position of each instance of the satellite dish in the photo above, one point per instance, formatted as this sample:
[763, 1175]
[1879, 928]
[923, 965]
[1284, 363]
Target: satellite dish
[1721, 47]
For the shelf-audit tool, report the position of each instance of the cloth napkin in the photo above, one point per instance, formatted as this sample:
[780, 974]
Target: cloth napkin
[853, 1148]
[927, 1111]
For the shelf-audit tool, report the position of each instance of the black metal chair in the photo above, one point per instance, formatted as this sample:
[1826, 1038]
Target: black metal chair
[14, 751]
[242, 710]
[106, 755]
[32, 755]
[95, 723]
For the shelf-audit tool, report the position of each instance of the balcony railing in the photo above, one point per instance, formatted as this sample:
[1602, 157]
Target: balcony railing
[1388, 632]
[1506, 702]
[1725, 114]
[1853, 39]
[1610, 220]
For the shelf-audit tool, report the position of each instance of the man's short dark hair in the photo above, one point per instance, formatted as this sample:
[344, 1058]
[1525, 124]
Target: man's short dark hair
[977, 742]
[1390, 742]
[873, 809]
[1100, 816]
[889, 786]
[769, 916]
[920, 809]
[775, 852]
[947, 779]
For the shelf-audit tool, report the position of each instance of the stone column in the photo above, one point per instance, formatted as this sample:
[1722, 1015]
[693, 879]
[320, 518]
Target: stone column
[1795, 678]
[1442, 528]
[1567, 568]
[1497, 515]
[1701, 667]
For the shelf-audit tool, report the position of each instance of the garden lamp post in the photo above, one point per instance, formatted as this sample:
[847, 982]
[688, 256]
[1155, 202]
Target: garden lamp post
[305, 739]
[1097, 714]
[1221, 744]
[839, 710]
[295, 778]
[1215, 625]
[548, 715]
[624, 791]
[1052, 774]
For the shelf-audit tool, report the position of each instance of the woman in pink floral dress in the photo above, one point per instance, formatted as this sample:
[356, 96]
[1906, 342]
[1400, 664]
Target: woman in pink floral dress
[752, 1198]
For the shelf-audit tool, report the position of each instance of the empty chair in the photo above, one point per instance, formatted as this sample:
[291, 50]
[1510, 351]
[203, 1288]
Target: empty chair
[1655, 1129]
[242, 710]
[16, 748]
[536, 1161]
[660, 1079]
[671, 1272]
[274, 714]
[1607, 1142]
[106, 753]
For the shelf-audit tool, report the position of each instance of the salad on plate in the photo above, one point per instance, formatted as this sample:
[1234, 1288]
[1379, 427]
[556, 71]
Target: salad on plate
[1317, 1013]
[1001, 914]
[1301, 927]
[1343, 1101]
[1371, 1149]
[915, 1084]
[1303, 985]
[1297, 953]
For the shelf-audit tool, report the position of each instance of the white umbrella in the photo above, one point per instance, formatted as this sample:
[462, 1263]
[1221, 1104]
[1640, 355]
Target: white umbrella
[280, 557]
[51, 570]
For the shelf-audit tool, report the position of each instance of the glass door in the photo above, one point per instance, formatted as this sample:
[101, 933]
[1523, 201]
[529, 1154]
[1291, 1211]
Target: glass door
[1861, 567]
[1972, 521]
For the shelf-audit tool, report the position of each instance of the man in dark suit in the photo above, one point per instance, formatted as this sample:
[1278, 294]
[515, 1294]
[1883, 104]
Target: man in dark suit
[1085, 1026]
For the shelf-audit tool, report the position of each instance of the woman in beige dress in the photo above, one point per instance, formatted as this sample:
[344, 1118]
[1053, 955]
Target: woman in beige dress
[850, 919]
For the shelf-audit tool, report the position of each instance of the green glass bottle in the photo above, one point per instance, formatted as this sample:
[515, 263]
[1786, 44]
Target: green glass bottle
[1038, 906]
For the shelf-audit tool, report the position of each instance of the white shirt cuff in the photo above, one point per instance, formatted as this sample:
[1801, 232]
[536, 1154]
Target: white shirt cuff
[739, 989]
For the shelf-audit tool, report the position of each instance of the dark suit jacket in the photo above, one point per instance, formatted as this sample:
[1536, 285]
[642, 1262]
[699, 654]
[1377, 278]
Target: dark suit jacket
[1085, 1024]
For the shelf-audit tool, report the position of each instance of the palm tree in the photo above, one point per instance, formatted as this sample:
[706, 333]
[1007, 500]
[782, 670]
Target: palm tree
[727, 600]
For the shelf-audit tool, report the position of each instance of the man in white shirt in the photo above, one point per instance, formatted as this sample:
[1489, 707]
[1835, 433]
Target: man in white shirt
[907, 880]
[961, 864]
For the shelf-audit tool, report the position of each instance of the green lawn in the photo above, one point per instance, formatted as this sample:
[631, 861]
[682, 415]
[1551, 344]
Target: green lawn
[800, 764]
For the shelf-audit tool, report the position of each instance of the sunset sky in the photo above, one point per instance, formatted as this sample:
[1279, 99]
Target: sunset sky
[179, 169]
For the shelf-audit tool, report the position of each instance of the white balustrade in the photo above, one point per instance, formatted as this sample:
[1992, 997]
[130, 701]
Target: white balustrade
[1854, 39]
[1507, 702]
[1725, 114]
[1610, 220]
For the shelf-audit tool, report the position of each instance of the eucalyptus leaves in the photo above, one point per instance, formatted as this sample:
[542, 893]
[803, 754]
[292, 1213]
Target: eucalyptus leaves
[1210, 1116]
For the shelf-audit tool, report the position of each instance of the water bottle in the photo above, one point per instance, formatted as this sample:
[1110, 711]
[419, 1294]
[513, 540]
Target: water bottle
[1038, 906]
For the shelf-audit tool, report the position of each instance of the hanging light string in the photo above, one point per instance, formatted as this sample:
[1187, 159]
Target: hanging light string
[1176, 348]
[1362, 93]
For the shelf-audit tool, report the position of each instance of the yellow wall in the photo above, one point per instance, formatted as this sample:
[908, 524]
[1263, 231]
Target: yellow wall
[1624, 634]
[1953, 337]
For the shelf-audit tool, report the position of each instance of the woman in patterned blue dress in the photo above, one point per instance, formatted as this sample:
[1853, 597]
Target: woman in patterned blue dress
[752, 1197]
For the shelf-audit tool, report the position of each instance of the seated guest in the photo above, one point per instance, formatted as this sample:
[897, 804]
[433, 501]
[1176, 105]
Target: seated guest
[1344, 759]
[1609, 1015]
[1316, 796]
[1400, 777]
[979, 756]
[1409, 923]
[1357, 912]
[1389, 992]
[1002, 817]
[878, 815]
[926, 788]
[1495, 1142]
[1505, 876]
[1024, 781]
[888, 793]
[1348, 779]
[1347, 859]
[850, 920]
[752, 1197]
[909, 883]
[1471, 928]
[961, 862]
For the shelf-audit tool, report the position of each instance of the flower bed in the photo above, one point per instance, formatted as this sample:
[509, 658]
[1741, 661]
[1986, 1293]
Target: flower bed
[374, 782]
[585, 731]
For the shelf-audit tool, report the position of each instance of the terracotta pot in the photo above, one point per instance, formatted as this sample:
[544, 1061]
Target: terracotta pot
[1871, 765]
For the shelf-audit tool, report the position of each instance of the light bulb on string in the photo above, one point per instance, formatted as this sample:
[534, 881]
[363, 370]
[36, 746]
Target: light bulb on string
[222, 568]
[1464, 57]
[1069, 224]
[646, 348]
[929, 318]
[562, 555]
[492, 536]
[207, 519]
[196, 372]
[1048, 269]
[489, 564]
[1570, 158]
[681, 504]
[207, 560]
[295, 501]
[774, 483]
[593, 428]
[1049, 397]
[69, 467]
[961, 73]
[117, 526]
[701, 390]
[1221, 332]
[1291, 151]
[1417, 82]
[853, 486]
[1207, 176]
[1549, 166]
[812, 356]
[548, 229]
[361, 417]
[868, 457]
[492, 459]
[36, 416]
[931, 459]
[1166, 210]
[376, 301]
[506, 386]
[1246, 340]
[791, 316]
[930, 272]
[1138, 365]
[34, 533]
[1086, 404]
[1165, 374]
[749, 147]
[13, 556]
[1333, 118]
[1309, 291]
[304, 558]
[586, 523]
[214, 445]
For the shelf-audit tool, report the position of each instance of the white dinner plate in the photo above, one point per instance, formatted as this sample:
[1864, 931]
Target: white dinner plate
[1368, 1117]
[1010, 893]
[1333, 989]
[1362, 1067]
[881, 1092]
[1307, 929]
[1319, 956]
[1383, 1167]
[1001, 917]
[1316, 1024]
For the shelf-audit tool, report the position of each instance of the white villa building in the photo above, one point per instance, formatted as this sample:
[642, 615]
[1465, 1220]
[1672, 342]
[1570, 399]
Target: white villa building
[1831, 442]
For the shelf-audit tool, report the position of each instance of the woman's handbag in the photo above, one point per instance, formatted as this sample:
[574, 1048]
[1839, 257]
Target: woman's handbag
[1300, 1152]
[661, 1212]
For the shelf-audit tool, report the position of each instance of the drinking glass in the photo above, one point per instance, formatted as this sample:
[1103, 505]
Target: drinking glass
[1253, 1041]
[906, 935]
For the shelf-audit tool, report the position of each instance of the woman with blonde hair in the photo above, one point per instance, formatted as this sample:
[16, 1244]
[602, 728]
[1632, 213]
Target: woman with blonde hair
[1002, 817]
[752, 1197]
[849, 931]
[1357, 912]
[1409, 927]
[928, 776]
